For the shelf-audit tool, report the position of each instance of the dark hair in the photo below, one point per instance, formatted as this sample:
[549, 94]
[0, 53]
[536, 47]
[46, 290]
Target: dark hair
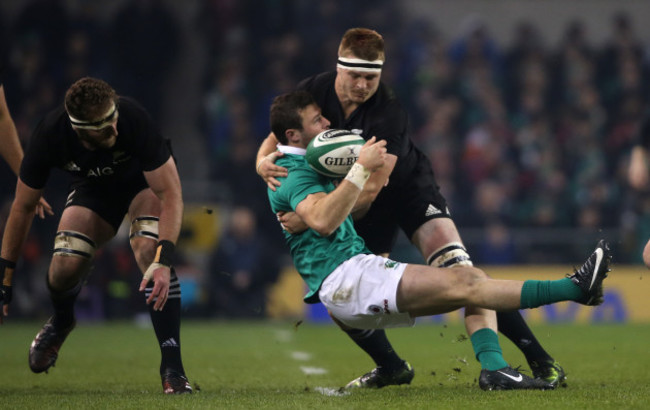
[362, 43]
[285, 112]
[88, 98]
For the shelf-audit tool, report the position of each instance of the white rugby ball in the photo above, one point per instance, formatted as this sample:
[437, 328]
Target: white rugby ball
[332, 152]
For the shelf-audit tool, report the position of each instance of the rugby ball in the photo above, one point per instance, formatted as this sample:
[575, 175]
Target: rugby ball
[332, 152]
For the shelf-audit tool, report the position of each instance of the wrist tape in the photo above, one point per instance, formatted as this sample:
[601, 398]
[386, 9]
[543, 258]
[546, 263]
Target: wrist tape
[164, 253]
[8, 268]
[358, 175]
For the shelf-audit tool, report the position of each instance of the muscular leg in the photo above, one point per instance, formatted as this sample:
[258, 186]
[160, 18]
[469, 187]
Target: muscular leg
[80, 232]
[435, 234]
[70, 266]
[144, 210]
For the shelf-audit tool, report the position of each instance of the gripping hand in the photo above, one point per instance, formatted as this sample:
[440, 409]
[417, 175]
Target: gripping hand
[7, 272]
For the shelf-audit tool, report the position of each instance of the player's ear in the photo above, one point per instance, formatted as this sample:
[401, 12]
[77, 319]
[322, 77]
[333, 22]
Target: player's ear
[293, 135]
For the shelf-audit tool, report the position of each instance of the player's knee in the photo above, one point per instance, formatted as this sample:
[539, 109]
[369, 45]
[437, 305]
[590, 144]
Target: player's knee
[450, 255]
[470, 279]
[144, 238]
[73, 254]
[72, 251]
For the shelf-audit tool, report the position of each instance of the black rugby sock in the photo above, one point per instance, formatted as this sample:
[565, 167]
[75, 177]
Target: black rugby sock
[375, 343]
[514, 327]
[167, 325]
[63, 302]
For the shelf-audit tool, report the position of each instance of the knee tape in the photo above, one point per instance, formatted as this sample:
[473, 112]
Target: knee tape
[145, 226]
[451, 255]
[72, 243]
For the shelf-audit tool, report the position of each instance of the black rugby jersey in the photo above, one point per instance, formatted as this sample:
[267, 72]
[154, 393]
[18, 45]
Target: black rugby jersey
[54, 144]
[381, 116]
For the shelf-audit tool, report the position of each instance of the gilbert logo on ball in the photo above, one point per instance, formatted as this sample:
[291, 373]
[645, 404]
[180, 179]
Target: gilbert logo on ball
[332, 152]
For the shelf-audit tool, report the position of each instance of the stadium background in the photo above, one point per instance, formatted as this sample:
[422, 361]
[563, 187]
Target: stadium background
[527, 109]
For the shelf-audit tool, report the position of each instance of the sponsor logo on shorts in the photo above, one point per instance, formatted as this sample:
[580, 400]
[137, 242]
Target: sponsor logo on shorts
[374, 309]
[391, 264]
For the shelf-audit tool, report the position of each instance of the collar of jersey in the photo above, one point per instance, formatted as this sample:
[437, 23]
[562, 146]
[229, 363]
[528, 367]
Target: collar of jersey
[287, 149]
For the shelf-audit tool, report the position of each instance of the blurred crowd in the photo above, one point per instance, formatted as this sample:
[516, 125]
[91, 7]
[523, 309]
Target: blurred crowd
[520, 135]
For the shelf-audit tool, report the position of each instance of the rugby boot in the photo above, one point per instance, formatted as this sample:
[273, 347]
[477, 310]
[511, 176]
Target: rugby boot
[510, 379]
[377, 378]
[550, 371]
[174, 382]
[45, 348]
[590, 275]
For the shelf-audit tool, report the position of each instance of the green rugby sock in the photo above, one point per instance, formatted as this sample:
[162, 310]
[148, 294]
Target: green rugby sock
[486, 347]
[536, 293]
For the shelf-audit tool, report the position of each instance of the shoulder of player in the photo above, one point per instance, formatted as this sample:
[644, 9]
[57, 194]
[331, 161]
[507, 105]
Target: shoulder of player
[318, 82]
[386, 97]
[55, 125]
[292, 161]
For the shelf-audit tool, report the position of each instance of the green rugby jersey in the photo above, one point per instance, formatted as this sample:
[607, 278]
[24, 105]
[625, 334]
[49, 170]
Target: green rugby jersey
[314, 256]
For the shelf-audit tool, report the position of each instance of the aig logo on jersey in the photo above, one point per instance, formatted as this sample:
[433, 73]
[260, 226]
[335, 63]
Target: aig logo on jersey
[98, 172]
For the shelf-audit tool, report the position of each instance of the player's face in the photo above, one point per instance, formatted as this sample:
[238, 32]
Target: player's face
[102, 138]
[358, 86]
[313, 123]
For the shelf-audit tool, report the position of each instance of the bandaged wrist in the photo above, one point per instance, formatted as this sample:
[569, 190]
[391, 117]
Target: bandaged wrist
[7, 268]
[164, 253]
[358, 175]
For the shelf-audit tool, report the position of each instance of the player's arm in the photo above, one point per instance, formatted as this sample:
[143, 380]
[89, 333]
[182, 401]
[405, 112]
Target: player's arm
[378, 180]
[292, 223]
[325, 212]
[165, 183]
[265, 162]
[11, 150]
[16, 230]
[638, 170]
[10, 147]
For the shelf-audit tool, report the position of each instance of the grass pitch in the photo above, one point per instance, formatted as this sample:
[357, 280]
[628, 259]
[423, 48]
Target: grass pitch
[245, 365]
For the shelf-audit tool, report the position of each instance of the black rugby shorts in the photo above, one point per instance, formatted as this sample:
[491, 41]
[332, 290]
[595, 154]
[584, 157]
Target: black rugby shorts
[110, 201]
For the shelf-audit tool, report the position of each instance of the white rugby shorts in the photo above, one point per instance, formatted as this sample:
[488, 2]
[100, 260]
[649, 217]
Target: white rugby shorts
[362, 293]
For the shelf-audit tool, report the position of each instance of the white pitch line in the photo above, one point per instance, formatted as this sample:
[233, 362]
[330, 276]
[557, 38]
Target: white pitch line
[328, 391]
[302, 356]
[313, 370]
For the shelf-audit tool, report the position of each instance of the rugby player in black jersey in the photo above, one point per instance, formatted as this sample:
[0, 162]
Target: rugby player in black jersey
[401, 195]
[120, 165]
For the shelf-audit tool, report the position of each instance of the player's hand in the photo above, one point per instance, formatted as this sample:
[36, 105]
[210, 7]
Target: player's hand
[5, 298]
[43, 208]
[291, 222]
[267, 169]
[7, 272]
[373, 154]
[160, 275]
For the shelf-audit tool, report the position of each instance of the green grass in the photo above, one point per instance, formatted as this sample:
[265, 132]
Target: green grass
[242, 365]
